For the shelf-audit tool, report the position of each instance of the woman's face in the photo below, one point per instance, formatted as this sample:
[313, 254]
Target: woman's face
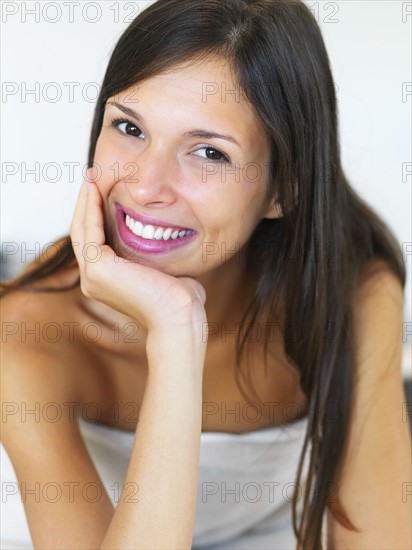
[183, 154]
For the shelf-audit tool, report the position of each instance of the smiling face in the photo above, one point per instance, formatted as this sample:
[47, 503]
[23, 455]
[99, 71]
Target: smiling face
[184, 171]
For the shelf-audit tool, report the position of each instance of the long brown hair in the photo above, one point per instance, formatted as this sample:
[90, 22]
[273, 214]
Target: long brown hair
[314, 256]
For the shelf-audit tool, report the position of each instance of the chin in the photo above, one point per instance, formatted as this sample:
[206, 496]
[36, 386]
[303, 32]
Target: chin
[182, 268]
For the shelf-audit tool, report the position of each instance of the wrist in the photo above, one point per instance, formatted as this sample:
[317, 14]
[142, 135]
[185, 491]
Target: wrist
[173, 332]
[176, 349]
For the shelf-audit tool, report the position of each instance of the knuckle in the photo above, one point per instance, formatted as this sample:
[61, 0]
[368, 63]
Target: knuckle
[94, 277]
[90, 272]
[84, 289]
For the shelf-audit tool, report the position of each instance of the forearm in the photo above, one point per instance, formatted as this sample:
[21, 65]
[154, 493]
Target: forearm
[165, 456]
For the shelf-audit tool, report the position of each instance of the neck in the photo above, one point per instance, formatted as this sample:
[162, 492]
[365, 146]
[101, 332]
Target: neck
[228, 291]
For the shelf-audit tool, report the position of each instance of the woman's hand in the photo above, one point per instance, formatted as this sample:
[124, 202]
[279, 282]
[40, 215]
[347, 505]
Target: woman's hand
[160, 302]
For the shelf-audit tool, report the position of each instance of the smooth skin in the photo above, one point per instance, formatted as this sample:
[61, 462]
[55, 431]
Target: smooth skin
[173, 369]
[167, 456]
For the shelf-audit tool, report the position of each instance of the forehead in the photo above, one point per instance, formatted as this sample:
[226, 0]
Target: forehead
[199, 92]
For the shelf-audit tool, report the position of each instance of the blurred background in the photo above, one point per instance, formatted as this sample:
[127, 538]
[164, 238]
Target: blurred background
[51, 72]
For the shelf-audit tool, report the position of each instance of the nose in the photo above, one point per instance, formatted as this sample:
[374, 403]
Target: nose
[151, 178]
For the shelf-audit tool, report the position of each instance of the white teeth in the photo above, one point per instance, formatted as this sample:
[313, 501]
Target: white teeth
[137, 228]
[151, 232]
[148, 232]
[167, 234]
[158, 234]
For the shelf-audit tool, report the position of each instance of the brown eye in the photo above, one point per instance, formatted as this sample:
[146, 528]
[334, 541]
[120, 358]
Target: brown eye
[132, 129]
[211, 153]
[127, 127]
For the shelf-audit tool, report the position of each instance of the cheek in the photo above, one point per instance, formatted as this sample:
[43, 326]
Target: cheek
[236, 208]
[107, 161]
[230, 221]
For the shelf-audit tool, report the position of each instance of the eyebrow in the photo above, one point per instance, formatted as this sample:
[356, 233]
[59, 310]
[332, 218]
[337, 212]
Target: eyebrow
[205, 134]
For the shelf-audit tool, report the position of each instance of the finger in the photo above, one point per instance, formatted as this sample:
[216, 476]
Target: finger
[77, 225]
[93, 221]
[80, 208]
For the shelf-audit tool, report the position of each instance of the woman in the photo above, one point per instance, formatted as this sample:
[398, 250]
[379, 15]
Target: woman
[215, 239]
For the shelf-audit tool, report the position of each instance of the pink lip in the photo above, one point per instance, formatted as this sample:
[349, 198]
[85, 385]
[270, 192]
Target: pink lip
[147, 220]
[147, 245]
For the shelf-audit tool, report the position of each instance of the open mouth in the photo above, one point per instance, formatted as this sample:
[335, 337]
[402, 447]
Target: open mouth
[150, 238]
[152, 232]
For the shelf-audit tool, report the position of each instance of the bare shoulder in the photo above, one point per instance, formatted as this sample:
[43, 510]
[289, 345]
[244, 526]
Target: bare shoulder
[378, 282]
[35, 321]
[378, 433]
[41, 392]
[378, 317]
[55, 352]
[35, 358]
[20, 304]
[40, 362]
[379, 296]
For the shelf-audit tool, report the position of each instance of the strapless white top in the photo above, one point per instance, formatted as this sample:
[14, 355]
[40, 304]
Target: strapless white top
[245, 485]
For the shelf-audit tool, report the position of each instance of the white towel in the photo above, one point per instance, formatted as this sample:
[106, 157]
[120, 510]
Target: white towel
[245, 486]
